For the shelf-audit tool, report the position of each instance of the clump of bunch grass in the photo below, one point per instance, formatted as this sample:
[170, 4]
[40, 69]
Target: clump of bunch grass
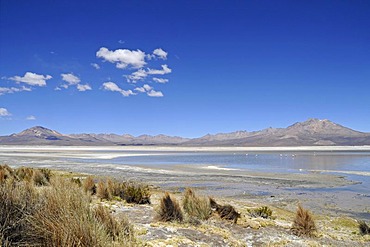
[89, 185]
[303, 224]
[37, 176]
[195, 206]
[102, 191]
[58, 215]
[137, 193]
[263, 212]
[6, 173]
[17, 199]
[226, 212]
[118, 230]
[363, 227]
[169, 209]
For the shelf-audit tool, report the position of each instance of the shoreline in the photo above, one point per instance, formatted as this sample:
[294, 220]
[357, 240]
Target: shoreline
[317, 188]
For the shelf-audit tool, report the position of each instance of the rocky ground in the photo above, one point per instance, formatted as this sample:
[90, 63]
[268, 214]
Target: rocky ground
[248, 231]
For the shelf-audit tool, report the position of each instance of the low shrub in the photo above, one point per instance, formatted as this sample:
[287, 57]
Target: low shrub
[226, 212]
[264, 212]
[303, 224]
[194, 206]
[169, 209]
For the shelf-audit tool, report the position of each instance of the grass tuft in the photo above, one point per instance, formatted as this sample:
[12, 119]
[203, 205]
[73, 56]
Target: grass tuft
[363, 227]
[102, 191]
[118, 230]
[60, 214]
[169, 209]
[135, 193]
[194, 206]
[89, 185]
[226, 212]
[303, 224]
[263, 212]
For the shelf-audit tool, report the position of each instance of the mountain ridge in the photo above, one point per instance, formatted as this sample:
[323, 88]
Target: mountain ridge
[312, 132]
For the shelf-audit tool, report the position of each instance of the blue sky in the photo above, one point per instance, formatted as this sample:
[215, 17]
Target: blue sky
[183, 68]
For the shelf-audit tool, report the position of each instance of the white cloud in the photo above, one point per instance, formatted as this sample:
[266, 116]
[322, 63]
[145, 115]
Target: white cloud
[123, 58]
[140, 89]
[144, 88]
[83, 88]
[4, 112]
[141, 74]
[111, 86]
[121, 41]
[163, 71]
[160, 80]
[4, 90]
[160, 53]
[95, 65]
[31, 118]
[149, 91]
[137, 76]
[32, 79]
[153, 93]
[70, 78]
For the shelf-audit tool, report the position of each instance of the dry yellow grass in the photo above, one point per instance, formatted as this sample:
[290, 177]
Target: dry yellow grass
[195, 206]
[169, 209]
[303, 224]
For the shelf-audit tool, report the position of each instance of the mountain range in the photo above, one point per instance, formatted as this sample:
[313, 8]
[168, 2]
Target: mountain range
[313, 132]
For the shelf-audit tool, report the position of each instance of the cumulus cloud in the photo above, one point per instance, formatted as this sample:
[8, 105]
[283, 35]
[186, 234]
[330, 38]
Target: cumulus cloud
[70, 78]
[160, 80]
[163, 71]
[31, 118]
[123, 58]
[111, 86]
[83, 88]
[137, 76]
[4, 112]
[141, 74]
[149, 91]
[4, 90]
[95, 65]
[160, 53]
[153, 93]
[32, 79]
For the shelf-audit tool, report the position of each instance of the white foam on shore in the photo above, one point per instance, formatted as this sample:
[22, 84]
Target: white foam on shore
[219, 168]
[360, 173]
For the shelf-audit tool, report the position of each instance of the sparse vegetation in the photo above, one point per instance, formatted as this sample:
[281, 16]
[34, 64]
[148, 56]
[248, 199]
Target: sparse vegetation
[226, 212]
[363, 227]
[169, 209]
[264, 212]
[195, 206]
[303, 224]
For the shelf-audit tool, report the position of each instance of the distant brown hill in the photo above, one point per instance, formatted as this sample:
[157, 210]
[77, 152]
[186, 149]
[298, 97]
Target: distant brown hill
[313, 132]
